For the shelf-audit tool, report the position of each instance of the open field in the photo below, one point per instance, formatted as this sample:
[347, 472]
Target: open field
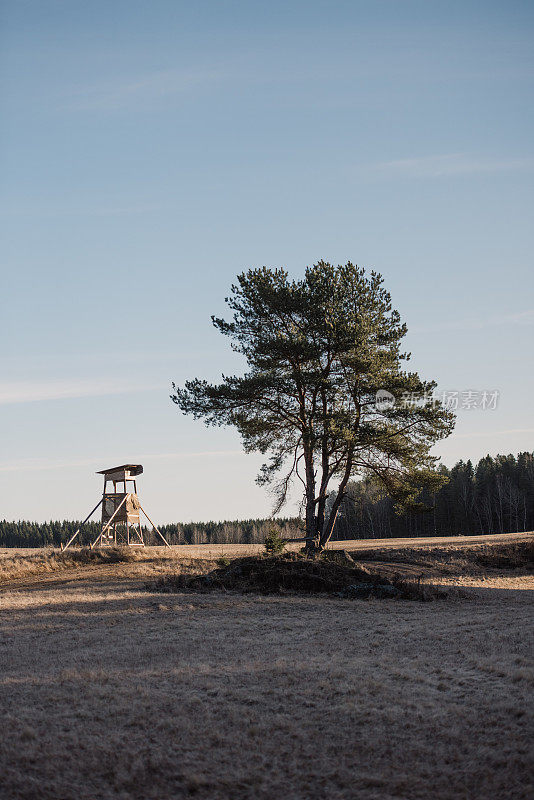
[112, 691]
[216, 550]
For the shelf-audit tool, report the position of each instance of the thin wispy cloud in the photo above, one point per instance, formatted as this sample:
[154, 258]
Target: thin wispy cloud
[519, 318]
[45, 464]
[75, 207]
[490, 434]
[60, 360]
[116, 94]
[449, 164]
[34, 391]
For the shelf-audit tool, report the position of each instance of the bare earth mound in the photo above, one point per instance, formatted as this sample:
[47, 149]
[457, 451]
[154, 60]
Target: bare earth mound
[333, 573]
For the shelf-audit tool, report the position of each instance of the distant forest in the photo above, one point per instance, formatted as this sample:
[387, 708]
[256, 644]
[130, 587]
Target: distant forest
[495, 496]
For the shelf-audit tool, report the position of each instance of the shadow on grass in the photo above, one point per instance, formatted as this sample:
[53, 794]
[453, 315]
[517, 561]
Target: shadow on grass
[458, 560]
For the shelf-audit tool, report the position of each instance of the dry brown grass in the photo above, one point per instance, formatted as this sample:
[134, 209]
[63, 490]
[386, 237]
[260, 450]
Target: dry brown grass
[50, 560]
[446, 555]
[212, 551]
[460, 559]
[110, 691]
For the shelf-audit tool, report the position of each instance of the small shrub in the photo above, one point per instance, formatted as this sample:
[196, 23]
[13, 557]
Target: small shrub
[274, 544]
[223, 561]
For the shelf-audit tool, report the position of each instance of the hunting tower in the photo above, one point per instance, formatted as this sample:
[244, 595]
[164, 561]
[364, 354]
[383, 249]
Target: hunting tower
[120, 509]
[121, 523]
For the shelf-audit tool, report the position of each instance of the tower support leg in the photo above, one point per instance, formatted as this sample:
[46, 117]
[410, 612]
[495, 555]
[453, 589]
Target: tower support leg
[110, 521]
[157, 531]
[72, 538]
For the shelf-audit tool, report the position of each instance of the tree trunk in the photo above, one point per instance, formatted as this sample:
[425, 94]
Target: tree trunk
[329, 527]
[319, 522]
[311, 532]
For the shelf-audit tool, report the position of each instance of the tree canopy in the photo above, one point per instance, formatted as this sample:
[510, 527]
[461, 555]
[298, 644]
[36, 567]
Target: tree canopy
[318, 351]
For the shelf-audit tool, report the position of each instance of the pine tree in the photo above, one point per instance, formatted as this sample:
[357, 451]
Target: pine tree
[318, 351]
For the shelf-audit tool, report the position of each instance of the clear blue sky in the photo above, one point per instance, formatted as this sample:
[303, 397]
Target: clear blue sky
[152, 150]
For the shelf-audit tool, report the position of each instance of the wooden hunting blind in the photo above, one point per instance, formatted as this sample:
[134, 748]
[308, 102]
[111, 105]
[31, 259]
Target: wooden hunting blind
[121, 522]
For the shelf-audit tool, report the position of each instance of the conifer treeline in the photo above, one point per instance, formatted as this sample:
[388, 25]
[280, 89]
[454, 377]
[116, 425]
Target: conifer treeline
[496, 496]
[40, 534]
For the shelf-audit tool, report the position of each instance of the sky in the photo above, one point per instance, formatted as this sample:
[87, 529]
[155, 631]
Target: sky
[151, 151]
